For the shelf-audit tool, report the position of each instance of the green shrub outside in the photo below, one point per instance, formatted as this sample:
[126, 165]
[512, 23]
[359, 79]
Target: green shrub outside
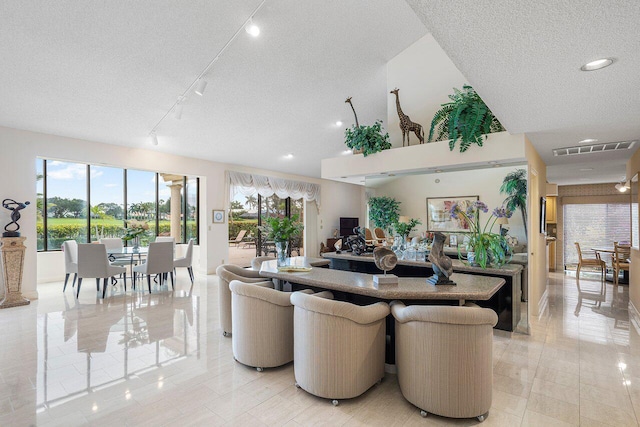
[61, 230]
[251, 226]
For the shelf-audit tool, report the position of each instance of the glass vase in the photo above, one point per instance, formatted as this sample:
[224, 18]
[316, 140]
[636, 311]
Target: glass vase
[281, 253]
[136, 243]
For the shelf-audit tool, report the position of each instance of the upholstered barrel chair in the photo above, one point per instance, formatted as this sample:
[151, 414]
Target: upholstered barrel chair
[444, 358]
[338, 347]
[262, 324]
[256, 263]
[226, 273]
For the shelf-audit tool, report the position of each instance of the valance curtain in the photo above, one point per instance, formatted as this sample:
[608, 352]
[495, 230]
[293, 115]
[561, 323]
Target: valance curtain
[248, 184]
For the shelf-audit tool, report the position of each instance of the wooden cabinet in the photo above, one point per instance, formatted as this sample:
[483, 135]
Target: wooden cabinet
[552, 256]
[551, 209]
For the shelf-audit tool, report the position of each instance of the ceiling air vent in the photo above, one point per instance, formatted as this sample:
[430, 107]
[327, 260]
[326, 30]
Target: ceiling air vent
[595, 148]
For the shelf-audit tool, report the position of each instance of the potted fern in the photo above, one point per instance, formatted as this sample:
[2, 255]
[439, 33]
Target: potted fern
[365, 139]
[466, 118]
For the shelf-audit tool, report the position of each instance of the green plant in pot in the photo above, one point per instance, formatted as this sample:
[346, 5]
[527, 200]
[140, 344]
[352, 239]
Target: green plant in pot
[514, 185]
[484, 248]
[405, 228]
[466, 118]
[281, 231]
[367, 139]
[384, 212]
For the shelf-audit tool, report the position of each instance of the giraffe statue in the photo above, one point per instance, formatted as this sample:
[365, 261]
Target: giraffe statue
[348, 101]
[406, 125]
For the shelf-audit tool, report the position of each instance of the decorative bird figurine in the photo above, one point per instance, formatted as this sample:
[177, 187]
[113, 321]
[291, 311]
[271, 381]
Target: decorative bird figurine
[441, 264]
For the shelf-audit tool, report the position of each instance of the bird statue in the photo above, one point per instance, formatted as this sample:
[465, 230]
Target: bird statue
[386, 260]
[441, 264]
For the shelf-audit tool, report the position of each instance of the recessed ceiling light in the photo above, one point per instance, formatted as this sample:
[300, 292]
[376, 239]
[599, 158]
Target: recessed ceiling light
[492, 162]
[289, 156]
[345, 152]
[597, 64]
[338, 123]
[438, 170]
[252, 29]
[588, 141]
[586, 169]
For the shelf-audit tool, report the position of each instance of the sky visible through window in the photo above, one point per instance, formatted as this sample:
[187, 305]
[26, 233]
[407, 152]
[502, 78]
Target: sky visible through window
[106, 180]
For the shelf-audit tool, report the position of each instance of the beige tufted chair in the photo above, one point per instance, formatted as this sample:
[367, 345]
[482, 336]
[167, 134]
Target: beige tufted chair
[262, 324]
[256, 263]
[444, 358]
[226, 273]
[338, 347]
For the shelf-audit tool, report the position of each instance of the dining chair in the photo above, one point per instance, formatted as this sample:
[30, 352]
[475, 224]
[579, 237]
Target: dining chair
[167, 239]
[70, 249]
[159, 261]
[379, 234]
[186, 261]
[620, 260]
[590, 262]
[368, 237]
[93, 262]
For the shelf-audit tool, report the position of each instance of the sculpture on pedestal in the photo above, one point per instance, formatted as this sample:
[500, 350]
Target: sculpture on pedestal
[15, 208]
[386, 260]
[441, 264]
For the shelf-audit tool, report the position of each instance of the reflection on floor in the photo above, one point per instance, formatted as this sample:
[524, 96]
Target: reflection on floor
[160, 359]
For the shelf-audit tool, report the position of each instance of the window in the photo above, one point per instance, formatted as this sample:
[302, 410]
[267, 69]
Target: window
[594, 225]
[83, 202]
[274, 206]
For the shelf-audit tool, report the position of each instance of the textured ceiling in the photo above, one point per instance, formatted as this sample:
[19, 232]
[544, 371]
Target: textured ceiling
[524, 57]
[108, 71]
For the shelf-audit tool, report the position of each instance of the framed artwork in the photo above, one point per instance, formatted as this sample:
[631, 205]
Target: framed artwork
[218, 217]
[439, 217]
[543, 215]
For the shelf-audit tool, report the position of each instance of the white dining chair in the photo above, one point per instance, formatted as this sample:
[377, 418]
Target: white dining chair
[186, 261]
[159, 261]
[70, 249]
[93, 262]
[167, 239]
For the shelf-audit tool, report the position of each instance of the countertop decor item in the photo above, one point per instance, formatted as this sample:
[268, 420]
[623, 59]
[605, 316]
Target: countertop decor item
[281, 231]
[15, 208]
[441, 264]
[406, 125]
[365, 139]
[484, 248]
[386, 260]
[466, 118]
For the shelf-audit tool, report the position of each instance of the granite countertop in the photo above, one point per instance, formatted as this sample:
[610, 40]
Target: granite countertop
[469, 287]
[458, 266]
[305, 261]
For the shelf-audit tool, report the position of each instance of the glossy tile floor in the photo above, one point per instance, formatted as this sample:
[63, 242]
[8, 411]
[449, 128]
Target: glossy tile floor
[160, 359]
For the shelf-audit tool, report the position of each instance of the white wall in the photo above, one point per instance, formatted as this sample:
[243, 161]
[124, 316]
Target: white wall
[412, 192]
[18, 164]
[425, 76]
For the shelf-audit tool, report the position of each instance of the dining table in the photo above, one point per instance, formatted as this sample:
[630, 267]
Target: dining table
[609, 277]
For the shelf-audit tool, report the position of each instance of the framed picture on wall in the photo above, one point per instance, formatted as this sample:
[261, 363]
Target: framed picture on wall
[218, 217]
[439, 215]
[543, 215]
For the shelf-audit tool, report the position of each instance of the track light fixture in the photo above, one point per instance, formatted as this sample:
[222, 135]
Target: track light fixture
[623, 186]
[200, 87]
[200, 84]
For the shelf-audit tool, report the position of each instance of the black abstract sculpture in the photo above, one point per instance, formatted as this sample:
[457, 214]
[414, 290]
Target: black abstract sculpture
[15, 208]
[357, 243]
[441, 264]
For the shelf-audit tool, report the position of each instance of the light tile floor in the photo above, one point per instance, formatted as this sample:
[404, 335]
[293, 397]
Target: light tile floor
[160, 359]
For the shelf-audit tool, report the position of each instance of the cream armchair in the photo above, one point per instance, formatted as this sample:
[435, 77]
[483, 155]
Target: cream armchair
[444, 358]
[262, 324]
[256, 263]
[226, 273]
[338, 347]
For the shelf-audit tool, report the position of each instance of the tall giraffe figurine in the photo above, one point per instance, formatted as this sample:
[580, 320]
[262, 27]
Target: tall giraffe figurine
[348, 101]
[406, 125]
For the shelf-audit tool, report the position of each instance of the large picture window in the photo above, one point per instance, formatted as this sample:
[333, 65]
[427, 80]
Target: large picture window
[81, 202]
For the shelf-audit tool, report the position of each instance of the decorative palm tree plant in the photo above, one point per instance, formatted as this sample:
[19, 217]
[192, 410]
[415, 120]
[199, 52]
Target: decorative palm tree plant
[466, 118]
[514, 185]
